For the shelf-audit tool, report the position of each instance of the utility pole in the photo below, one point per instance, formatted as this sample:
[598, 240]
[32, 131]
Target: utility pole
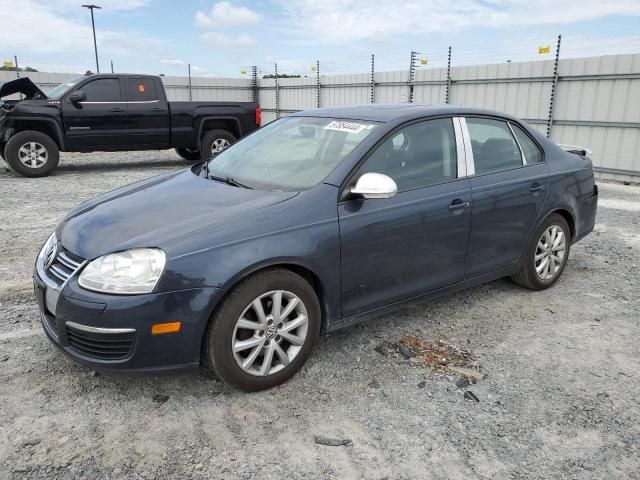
[93, 26]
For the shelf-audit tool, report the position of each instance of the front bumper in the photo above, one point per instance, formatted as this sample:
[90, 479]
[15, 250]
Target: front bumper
[112, 333]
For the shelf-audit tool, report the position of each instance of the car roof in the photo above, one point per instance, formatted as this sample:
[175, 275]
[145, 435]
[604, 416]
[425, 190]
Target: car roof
[389, 112]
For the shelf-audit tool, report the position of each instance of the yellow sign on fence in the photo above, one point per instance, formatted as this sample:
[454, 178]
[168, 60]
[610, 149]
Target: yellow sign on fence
[7, 64]
[424, 61]
[312, 69]
[545, 49]
[243, 72]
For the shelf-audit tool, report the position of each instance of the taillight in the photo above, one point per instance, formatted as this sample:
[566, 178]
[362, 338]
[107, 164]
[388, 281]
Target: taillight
[258, 116]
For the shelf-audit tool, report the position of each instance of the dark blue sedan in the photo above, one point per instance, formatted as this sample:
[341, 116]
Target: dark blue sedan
[304, 227]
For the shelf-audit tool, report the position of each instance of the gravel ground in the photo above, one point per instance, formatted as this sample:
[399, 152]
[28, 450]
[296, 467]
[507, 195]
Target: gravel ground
[560, 398]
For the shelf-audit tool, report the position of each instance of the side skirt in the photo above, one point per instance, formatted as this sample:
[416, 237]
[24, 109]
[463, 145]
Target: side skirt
[473, 282]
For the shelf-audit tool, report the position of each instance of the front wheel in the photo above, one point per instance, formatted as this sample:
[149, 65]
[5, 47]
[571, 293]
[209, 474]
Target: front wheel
[32, 154]
[263, 332]
[546, 258]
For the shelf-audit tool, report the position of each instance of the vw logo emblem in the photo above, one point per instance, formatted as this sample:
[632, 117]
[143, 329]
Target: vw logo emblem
[50, 256]
[271, 332]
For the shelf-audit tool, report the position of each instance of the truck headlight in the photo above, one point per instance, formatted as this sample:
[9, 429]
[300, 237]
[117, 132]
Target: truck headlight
[129, 272]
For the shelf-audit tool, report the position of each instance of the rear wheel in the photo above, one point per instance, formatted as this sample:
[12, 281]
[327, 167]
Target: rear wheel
[547, 256]
[32, 154]
[189, 154]
[264, 331]
[214, 142]
[2, 145]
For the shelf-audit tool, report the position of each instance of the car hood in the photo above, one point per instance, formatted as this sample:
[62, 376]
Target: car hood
[22, 85]
[157, 212]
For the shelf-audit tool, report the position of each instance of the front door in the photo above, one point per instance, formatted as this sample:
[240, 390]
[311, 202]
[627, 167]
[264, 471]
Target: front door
[508, 190]
[396, 248]
[98, 121]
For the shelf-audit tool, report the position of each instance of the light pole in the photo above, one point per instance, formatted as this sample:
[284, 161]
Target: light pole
[93, 25]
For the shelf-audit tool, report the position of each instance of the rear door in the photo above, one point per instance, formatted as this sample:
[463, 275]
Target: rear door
[508, 190]
[148, 113]
[100, 120]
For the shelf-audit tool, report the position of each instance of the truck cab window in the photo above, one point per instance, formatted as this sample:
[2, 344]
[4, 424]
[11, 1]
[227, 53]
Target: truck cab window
[141, 90]
[102, 90]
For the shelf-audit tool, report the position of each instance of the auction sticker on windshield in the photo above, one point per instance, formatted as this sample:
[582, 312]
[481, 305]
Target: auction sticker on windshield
[348, 127]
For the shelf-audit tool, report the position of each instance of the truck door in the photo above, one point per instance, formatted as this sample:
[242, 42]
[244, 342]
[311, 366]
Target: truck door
[99, 120]
[148, 113]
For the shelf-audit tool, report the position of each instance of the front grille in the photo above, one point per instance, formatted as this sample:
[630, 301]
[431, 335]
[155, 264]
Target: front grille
[102, 346]
[64, 265]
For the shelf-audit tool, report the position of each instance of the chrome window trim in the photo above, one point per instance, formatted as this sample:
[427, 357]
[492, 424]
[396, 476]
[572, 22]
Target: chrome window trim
[470, 163]
[461, 161]
[513, 134]
[132, 101]
[87, 328]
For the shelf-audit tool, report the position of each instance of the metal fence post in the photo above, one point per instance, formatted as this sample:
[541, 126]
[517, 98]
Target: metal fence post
[448, 93]
[111, 66]
[373, 79]
[277, 92]
[412, 74]
[254, 83]
[15, 57]
[317, 83]
[553, 88]
[189, 69]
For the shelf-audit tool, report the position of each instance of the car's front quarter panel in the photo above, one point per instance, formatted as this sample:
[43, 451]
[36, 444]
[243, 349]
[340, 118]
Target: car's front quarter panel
[302, 231]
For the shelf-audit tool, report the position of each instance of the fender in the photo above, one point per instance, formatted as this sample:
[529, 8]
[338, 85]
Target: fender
[218, 117]
[59, 137]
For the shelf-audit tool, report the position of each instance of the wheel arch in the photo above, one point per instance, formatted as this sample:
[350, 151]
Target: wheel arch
[45, 126]
[568, 216]
[230, 124]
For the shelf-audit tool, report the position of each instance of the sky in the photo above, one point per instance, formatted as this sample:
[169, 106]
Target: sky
[224, 38]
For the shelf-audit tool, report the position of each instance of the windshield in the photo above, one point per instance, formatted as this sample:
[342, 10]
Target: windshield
[291, 154]
[57, 92]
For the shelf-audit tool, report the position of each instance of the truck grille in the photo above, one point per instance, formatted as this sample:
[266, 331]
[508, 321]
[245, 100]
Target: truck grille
[64, 265]
[102, 346]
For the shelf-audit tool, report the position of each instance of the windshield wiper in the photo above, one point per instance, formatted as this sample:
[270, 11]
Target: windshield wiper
[228, 181]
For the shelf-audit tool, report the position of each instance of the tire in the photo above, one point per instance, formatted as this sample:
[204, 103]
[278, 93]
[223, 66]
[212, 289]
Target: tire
[189, 154]
[2, 145]
[46, 154]
[214, 141]
[538, 252]
[224, 330]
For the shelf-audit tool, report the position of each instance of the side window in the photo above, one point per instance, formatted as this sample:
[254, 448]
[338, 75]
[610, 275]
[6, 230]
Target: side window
[530, 150]
[493, 145]
[417, 156]
[141, 90]
[103, 90]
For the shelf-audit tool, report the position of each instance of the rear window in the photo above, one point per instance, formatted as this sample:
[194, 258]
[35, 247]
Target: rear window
[141, 90]
[493, 145]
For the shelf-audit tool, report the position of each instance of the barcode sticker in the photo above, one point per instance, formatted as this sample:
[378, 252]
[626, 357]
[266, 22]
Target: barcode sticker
[349, 127]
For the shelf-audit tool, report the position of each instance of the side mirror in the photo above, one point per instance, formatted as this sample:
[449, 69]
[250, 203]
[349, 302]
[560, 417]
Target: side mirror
[375, 185]
[77, 96]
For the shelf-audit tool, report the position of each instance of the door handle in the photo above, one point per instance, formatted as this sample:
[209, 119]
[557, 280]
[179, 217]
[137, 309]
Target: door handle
[117, 109]
[536, 187]
[458, 204]
[157, 109]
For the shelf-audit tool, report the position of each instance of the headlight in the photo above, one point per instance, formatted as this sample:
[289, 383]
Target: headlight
[129, 272]
[48, 249]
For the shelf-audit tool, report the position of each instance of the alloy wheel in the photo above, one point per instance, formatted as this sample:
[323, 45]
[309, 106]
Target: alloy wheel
[219, 145]
[550, 252]
[270, 333]
[33, 155]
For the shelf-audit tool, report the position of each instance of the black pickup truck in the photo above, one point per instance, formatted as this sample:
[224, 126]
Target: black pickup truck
[108, 113]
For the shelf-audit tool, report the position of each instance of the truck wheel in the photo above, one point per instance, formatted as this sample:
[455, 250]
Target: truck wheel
[214, 142]
[188, 154]
[32, 154]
